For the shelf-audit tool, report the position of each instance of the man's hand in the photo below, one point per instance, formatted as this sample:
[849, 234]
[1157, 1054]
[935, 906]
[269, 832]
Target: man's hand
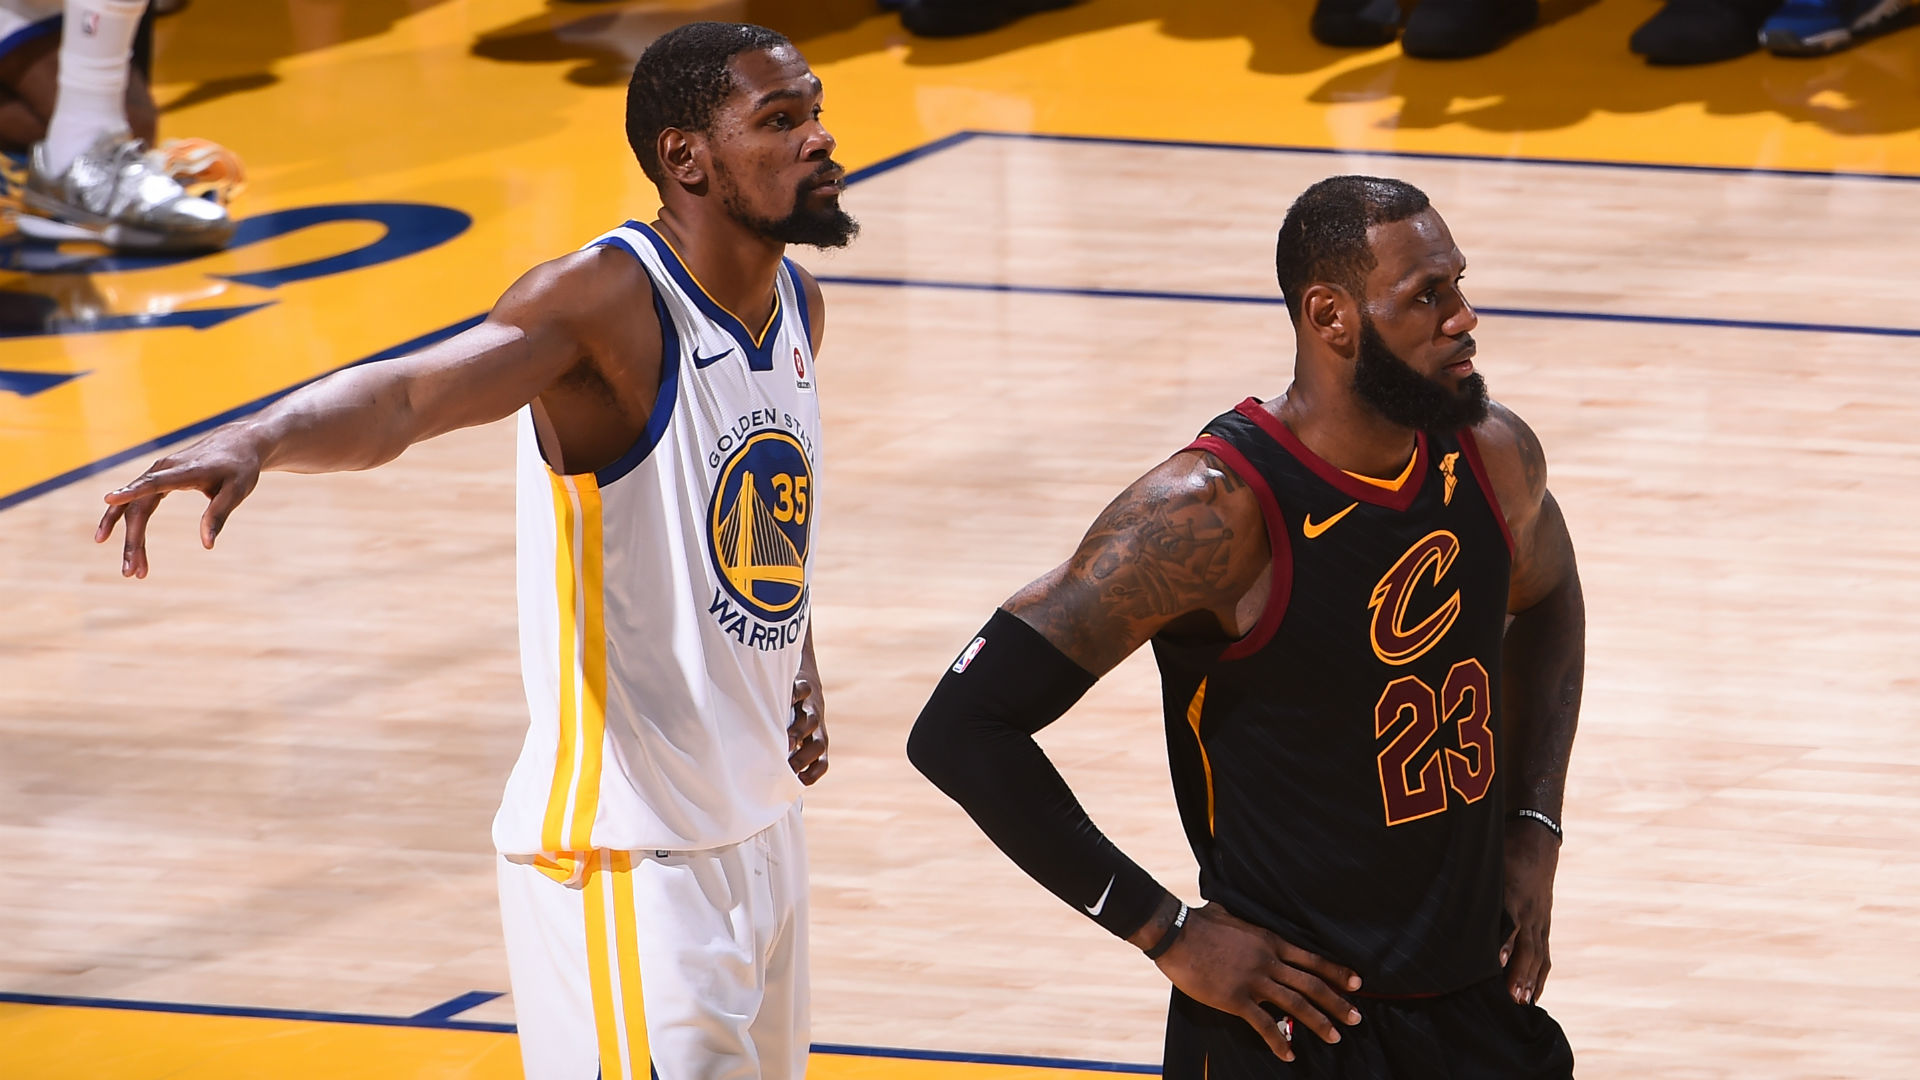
[1533, 853]
[807, 735]
[1239, 968]
[224, 467]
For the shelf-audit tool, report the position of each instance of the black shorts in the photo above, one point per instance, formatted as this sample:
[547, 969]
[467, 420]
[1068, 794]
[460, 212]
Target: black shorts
[1474, 1034]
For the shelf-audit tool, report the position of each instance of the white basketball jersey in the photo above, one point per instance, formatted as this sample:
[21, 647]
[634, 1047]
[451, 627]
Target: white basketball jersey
[663, 599]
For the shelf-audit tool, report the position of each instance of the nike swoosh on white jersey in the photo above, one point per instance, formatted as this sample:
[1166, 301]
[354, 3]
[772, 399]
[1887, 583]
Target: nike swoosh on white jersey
[1102, 902]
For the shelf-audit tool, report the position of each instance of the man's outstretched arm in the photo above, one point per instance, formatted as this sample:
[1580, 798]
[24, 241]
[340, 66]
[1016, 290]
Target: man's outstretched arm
[1184, 544]
[547, 325]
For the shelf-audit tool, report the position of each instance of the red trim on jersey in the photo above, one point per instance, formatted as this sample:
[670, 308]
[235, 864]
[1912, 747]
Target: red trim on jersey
[1355, 489]
[1472, 449]
[1277, 541]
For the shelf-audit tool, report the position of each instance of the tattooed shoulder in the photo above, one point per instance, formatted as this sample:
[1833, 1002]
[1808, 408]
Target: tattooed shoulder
[1185, 537]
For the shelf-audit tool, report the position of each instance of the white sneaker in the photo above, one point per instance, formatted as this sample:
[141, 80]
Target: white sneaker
[116, 194]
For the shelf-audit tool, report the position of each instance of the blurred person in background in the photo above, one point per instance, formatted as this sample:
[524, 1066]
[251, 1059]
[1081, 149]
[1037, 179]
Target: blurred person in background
[70, 95]
[1701, 31]
[1436, 30]
[1706, 31]
[1818, 27]
[959, 18]
[1682, 32]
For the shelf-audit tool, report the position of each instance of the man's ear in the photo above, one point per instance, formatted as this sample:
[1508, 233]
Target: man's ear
[1331, 314]
[683, 157]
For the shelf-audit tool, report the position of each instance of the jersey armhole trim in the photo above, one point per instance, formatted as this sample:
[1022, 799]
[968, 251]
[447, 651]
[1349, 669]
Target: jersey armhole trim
[1471, 449]
[1278, 543]
[800, 303]
[668, 396]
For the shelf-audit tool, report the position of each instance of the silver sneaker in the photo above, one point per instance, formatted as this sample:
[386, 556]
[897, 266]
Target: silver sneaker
[115, 194]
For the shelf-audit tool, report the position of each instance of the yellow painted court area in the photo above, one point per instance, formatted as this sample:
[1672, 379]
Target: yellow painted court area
[66, 1043]
[76, 1043]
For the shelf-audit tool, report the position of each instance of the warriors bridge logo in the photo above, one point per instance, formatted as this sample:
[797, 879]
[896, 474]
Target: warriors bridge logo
[758, 533]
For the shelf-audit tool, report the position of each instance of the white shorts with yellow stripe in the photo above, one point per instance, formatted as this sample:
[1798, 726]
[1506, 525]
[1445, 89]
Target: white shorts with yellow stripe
[689, 965]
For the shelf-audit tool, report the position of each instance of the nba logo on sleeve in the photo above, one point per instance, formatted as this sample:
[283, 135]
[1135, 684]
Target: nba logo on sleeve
[966, 658]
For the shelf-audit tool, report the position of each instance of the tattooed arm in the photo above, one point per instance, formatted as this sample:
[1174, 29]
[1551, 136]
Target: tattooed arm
[1184, 551]
[1183, 548]
[1542, 666]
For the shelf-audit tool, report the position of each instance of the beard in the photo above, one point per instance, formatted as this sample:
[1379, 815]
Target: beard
[1405, 397]
[827, 227]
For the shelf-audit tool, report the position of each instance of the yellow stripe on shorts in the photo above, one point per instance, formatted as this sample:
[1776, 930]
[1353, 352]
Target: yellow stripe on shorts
[627, 937]
[613, 968]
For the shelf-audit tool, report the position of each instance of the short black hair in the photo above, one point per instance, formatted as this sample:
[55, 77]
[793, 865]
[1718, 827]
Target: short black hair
[682, 78]
[1324, 237]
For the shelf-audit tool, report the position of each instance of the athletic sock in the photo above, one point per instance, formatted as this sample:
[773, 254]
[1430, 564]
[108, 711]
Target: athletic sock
[96, 45]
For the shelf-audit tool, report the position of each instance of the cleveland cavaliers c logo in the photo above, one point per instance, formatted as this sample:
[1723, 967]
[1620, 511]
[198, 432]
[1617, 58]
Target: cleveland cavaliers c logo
[758, 523]
[1393, 640]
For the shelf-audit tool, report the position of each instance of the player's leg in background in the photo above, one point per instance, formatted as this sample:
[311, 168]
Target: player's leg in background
[92, 177]
[41, 83]
[547, 965]
[783, 1031]
[29, 62]
[31, 45]
[26, 81]
[20, 126]
[96, 56]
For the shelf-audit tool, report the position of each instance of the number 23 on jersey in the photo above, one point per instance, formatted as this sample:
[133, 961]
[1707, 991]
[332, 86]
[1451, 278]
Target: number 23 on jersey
[1415, 773]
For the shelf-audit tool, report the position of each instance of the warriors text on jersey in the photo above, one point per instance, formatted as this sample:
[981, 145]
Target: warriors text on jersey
[1337, 769]
[663, 599]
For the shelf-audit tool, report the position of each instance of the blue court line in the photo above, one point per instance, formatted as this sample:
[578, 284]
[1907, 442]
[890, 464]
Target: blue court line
[1429, 155]
[987, 1059]
[908, 157]
[453, 1007]
[1049, 290]
[238, 411]
[959, 137]
[1275, 301]
[256, 1013]
[29, 383]
[440, 1018]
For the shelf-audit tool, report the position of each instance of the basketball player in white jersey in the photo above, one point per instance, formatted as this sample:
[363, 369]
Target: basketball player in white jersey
[653, 867]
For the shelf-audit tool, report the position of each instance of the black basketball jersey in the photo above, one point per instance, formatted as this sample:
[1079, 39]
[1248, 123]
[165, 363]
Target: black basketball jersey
[1337, 769]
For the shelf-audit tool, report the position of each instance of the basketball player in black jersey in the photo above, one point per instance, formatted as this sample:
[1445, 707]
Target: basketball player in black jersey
[1370, 634]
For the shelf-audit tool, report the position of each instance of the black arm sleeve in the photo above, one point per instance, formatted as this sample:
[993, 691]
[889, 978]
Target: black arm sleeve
[974, 740]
